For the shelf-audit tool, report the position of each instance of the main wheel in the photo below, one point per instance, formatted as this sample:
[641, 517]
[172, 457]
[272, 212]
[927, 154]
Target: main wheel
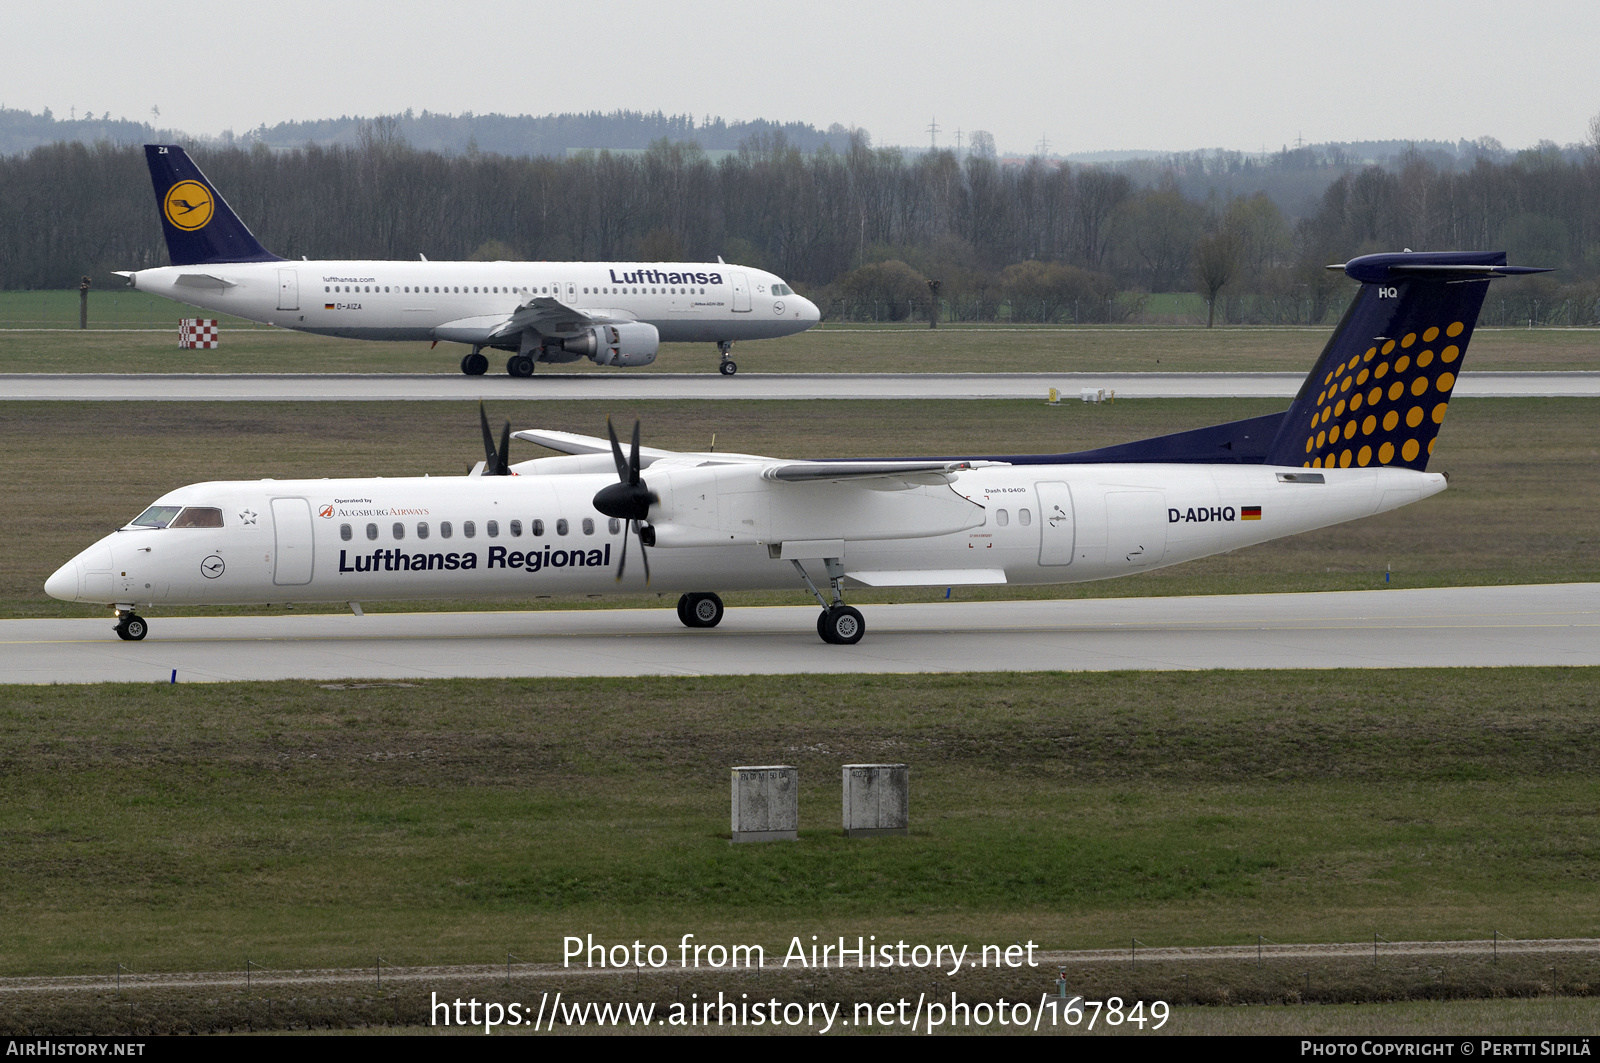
[474, 364]
[841, 625]
[132, 628]
[728, 368]
[519, 365]
[700, 610]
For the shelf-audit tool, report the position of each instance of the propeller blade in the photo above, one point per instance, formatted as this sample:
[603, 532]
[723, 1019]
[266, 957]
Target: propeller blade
[616, 452]
[622, 563]
[492, 458]
[503, 464]
[644, 555]
[633, 457]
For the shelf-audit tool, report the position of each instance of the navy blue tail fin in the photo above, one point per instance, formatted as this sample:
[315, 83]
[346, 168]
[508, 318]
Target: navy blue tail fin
[1378, 393]
[199, 225]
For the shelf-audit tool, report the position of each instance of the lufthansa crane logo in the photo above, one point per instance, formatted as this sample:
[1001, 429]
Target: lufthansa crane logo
[188, 205]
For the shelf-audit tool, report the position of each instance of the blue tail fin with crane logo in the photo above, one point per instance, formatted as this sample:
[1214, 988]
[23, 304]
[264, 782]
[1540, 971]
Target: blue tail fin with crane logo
[199, 225]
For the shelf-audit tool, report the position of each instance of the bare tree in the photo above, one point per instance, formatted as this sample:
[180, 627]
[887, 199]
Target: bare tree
[1216, 260]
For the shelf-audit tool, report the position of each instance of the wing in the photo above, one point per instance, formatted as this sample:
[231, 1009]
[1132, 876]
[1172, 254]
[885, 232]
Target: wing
[552, 317]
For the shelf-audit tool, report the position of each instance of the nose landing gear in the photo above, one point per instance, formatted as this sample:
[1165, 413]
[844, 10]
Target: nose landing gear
[839, 624]
[727, 367]
[131, 627]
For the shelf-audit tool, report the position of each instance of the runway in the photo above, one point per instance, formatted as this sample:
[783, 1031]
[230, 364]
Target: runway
[1557, 624]
[393, 387]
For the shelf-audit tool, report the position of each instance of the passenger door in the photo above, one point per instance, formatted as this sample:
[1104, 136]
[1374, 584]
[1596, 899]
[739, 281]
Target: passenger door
[741, 293]
[288, 290]
[1057, 527]
[292, 555]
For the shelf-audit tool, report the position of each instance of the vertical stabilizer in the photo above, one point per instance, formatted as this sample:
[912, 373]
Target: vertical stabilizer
[1379, 392]
[199, 225]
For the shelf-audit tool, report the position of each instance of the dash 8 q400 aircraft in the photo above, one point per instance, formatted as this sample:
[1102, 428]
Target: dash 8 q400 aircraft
[613, 313]
[1355, 442]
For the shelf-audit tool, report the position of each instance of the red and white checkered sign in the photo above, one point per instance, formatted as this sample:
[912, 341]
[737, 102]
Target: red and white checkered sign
[197, 333]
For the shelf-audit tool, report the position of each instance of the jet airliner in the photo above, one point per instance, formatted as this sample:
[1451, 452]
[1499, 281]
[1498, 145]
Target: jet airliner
[613, 313]
[1355, 442]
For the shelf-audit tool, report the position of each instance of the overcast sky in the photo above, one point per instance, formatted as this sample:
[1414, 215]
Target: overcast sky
[1155, 74]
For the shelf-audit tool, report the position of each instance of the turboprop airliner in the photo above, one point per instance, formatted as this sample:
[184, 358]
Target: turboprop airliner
[1355, 442]
[612, 313]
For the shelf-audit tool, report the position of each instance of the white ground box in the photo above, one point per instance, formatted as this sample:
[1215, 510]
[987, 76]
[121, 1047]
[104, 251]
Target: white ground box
[877, 800]
[766, 803]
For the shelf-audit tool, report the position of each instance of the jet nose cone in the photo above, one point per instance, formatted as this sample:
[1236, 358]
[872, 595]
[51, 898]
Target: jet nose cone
[64, 583]
[809, 312]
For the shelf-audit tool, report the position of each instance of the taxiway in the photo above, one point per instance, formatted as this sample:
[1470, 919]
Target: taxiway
[1555, 624]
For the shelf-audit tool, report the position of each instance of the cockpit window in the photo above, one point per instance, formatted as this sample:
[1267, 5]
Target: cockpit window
[198, 517]
[155, 517]
[782, 289]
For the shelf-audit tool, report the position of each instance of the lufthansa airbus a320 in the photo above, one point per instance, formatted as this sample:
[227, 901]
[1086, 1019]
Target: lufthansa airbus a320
[612, 313]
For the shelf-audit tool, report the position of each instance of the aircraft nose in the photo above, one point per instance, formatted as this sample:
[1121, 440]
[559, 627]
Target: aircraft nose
[64, 583]
[809, 311]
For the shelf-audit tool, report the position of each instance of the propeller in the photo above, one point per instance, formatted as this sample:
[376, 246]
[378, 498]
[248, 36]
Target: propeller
[629, 499]
[495, 463]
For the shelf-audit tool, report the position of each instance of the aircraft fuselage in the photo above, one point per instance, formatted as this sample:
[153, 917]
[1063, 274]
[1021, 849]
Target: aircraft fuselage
[531, 535]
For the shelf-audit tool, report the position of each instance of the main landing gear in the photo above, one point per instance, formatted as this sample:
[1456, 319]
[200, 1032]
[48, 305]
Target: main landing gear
[474, 364]
[839, 624]
[728, 366]
[700, 610]
[130, 626]
[519, 365]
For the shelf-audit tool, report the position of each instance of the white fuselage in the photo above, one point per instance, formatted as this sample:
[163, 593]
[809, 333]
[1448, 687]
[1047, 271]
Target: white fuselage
[464, 301]
[283, 541]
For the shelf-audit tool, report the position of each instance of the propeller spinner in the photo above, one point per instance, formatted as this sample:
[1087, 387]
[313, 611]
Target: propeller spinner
[629, 499]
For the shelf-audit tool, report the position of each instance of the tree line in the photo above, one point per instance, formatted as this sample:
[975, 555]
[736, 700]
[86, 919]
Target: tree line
[861, 230]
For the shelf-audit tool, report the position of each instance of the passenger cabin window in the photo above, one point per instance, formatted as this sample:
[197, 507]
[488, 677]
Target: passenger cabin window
[516, 529]
[422, 529]
[1024, 517]
[468, 528]
[372, 531]
[1002, 518]
[538, 528]
[492, 528]
[399, 530]
[588, 526]
[156, 517]
[198, 517]
[346, 532]
[614, 525]
[446, 529]
[561, 526]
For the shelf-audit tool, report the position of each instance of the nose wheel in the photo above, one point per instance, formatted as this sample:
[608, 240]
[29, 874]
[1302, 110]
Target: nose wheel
[727, 367]
[131, 627]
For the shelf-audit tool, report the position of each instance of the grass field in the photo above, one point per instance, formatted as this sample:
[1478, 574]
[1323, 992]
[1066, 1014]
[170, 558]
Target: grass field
[1522, 506]
[132, 346]
[306, 825]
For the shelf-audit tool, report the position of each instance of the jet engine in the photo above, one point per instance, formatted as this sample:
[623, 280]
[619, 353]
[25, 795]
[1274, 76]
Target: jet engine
[627, 344]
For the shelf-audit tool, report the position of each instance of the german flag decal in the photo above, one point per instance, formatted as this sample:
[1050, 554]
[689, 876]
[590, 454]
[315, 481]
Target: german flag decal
[327, 306]
[1249, 512]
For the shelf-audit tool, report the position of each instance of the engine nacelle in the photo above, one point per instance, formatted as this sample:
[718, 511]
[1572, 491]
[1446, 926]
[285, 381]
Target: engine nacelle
[628, 344]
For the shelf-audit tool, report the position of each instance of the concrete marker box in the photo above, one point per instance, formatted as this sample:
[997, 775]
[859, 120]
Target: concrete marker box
[766, 803]
[877, 800]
